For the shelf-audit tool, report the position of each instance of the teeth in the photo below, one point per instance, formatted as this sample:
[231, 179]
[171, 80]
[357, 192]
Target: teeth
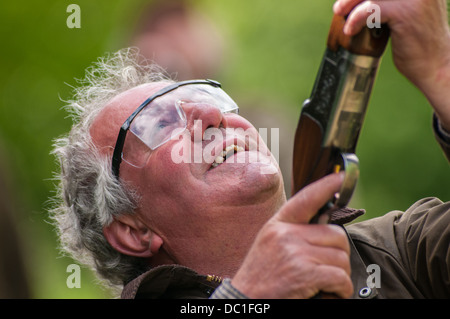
[227, 152]
[218, 160]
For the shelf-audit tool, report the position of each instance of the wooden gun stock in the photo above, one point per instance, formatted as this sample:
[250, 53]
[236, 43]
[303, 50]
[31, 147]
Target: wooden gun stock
[370, 42]
[331, 119]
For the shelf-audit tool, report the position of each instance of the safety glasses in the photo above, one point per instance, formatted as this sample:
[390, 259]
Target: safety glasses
[162, 117]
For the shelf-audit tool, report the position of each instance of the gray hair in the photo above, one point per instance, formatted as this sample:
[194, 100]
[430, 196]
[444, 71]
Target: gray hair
[89, 195]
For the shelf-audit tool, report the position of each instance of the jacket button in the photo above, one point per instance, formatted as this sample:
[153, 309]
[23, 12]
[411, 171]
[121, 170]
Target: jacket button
[365, 292]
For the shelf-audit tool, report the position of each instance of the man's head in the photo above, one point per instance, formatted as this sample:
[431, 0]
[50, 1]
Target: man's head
[178, 205]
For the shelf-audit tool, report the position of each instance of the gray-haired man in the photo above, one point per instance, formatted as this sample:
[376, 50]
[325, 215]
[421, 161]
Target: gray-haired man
[166, 228]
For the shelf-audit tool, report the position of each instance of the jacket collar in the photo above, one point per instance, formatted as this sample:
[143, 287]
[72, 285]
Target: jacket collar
[170, 281]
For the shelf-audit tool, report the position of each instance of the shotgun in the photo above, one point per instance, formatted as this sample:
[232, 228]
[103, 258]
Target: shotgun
[331, 119]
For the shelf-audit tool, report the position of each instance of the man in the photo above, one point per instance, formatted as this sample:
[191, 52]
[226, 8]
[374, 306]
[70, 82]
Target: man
[146, 212]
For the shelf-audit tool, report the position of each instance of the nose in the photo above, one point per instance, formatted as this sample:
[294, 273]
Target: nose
[201, 116]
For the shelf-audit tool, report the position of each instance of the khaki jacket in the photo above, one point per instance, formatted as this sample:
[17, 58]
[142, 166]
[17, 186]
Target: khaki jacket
[399, 255]
[403, 254]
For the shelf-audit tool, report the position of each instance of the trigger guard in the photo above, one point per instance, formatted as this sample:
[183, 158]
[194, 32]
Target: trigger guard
[350, 165]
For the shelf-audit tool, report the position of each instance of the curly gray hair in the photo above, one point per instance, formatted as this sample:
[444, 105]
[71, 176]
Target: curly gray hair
[88, 194]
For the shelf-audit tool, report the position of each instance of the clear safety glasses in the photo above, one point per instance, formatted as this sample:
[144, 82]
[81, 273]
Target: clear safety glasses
[161, 117]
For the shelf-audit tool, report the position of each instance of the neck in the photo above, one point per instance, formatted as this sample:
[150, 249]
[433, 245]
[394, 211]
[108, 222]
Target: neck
[219, 244]
[237, 235]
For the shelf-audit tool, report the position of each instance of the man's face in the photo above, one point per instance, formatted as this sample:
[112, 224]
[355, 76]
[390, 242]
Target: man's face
[192, 203]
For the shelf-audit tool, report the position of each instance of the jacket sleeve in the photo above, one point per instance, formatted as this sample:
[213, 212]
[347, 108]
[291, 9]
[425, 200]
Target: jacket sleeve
[412, 249]
[423, 236]
[227, 291]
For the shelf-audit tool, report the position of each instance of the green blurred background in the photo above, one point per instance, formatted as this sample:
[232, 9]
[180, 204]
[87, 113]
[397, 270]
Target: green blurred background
[271, 53]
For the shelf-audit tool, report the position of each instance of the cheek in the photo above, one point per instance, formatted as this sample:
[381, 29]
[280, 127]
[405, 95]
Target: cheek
[135, 152]
[163, 176]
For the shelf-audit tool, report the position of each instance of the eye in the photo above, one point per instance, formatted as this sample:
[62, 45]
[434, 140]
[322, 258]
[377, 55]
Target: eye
[167, 121]
[163, 124]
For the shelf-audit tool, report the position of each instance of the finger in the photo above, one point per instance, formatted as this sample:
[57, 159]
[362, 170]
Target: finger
[327, 255]
[332, 236]
[315, 235]
[306, 203]
[359, 16]
[333, 280]
[343, 7]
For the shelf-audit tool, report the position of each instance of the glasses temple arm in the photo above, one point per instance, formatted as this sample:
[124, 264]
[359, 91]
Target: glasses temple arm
[117, 155]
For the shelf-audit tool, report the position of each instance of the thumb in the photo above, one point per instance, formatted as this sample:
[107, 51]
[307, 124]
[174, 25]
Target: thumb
[304, 205]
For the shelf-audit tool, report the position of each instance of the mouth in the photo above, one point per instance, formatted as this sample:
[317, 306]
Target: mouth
[226, 153]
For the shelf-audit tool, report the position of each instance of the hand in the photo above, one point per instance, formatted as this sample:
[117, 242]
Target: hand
[420, 43]
[293, 259]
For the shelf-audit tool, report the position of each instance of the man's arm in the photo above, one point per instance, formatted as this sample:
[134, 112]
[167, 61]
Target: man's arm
[420, 37]
[292, 259]
[423, 235]
[412, 250]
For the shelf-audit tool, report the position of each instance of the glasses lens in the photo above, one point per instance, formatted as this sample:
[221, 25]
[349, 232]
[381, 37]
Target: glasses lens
[207, 94]
[164, 118]
[158, 121]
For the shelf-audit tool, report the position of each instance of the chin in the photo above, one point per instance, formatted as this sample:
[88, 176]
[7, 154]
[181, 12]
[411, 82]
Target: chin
[262, 183]
[246, 179]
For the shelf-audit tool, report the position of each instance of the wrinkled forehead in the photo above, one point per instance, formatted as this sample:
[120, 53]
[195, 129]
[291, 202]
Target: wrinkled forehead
[167, 92]
[200, 92]
[129, 100]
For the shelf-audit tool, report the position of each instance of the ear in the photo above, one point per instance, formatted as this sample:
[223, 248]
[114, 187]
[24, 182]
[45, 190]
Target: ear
[128, 235]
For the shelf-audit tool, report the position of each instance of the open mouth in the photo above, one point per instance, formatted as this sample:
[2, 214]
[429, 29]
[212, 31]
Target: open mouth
[227, 152]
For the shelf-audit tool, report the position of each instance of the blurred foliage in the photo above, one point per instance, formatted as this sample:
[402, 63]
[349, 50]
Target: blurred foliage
[273, 51]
